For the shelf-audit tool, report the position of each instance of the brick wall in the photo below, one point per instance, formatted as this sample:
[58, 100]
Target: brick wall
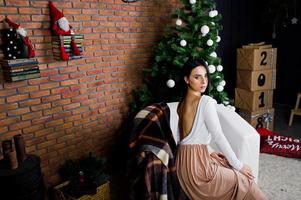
[76, 106]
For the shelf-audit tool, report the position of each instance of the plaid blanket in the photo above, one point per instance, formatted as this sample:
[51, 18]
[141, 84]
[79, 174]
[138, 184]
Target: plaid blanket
[152, 149]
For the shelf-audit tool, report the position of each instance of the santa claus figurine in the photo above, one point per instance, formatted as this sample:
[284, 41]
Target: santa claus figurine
[61, 27]
[27, 50]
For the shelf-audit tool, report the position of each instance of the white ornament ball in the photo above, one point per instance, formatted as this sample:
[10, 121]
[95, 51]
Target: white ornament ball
[226, 102]
[213, 23]
[222, 83]
[209, 42]
[220, 88]
[212, 13]
[213, 54]
[170, 83]
[211, 69]
[183, 43]
[218, 38]
[204, 30]
[219, 68]
[179, 22]
[192, 1]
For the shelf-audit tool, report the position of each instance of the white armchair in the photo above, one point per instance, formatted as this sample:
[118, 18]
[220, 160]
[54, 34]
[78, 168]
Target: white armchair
[242, 137]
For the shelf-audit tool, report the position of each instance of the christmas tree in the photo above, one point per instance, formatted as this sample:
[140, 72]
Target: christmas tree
[194, 35]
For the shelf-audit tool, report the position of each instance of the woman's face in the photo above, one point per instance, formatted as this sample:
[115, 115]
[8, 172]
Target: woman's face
[198, 79]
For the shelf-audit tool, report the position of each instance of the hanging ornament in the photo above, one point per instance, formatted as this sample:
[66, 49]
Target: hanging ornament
[183, 43]
[218, 38]
[220, 88]
[192, 1]
[219, 68]
[213, 23]
[206, 63]
[170, 83]
[294, 20]
[213, 54]
[215, 13]
[212, 14]
[209, 42]
[274, 31]
[204, 30]
[222, 83]
[211, 69]
[179, 22]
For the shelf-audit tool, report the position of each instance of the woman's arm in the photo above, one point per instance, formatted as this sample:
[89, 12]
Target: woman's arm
[214, 127]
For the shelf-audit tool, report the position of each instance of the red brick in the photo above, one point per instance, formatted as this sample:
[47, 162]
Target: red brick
[41, 107]
[6, 107]
[71, 106]
[33, 129]
[16, 98]
[58, 77]
[18, 111]
[27, 89]
[51, 98]
[43, 132]
[32, 115]
[41, 93]
[30, 11]
[8, 10]
[29, 102]
[46, 144]
[52, 110]
[19, 125]
[61, 102]
[4, 93]
[69, 82]
[54, 123]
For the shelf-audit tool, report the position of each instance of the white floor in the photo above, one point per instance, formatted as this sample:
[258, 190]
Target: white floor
[279, 177]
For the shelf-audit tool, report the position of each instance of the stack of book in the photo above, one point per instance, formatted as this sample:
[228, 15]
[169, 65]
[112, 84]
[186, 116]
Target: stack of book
[65, 41]
[20, 69]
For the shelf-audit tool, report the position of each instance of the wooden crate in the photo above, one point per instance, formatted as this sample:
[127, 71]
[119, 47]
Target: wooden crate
[259, 119]
[253, 100]
[103, 193]
[256, 57]
[256, 80]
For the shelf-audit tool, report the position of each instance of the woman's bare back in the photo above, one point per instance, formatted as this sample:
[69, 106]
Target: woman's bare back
[187, 111]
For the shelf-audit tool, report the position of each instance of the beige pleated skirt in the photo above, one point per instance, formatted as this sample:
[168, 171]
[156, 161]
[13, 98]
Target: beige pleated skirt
[203, 176]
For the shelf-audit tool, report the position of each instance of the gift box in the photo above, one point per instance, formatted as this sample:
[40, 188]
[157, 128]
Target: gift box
[256, 80]
[256, 57]
[253, 100]
[260, 118]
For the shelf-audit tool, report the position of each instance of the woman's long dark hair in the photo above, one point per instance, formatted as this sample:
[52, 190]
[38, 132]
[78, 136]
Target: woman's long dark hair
[188, 67]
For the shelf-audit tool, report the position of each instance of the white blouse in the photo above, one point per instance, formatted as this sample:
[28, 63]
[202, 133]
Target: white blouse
[206, 125]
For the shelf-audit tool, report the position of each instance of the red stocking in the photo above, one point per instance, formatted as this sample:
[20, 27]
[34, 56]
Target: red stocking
[64, 54]
[74, 47]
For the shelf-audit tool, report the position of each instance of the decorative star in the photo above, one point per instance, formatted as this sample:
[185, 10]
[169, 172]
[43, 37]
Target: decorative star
[294, 20]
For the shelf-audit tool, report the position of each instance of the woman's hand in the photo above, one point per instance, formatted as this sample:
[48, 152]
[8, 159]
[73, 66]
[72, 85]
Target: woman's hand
[246, 170]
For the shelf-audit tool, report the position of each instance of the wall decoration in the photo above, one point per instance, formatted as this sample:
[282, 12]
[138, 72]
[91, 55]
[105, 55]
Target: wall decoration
[19, 62]
[66, 45]
[16, 43]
